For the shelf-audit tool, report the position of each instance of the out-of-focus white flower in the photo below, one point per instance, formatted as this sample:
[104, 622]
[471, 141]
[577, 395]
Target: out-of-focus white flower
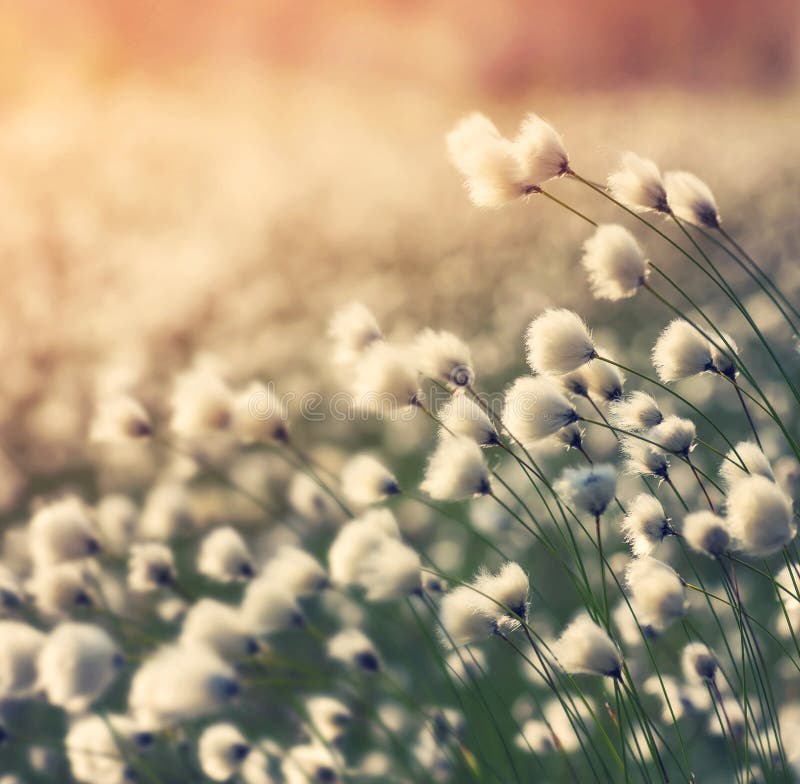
[269, 607]
[222, 750]
[638, 184]
[604, 381]
[657, 593]
[535, 408]
[680, 352]
[644, 459]
[120, 419]
[117, 520]
[18, 659]
[352, 329]
[456, 470]
[706, 532]
[615, 263]
[585, 648]
[787, 474]
[151, 566]
[179, 683]
[328, 716]
[77, 663]
[309, 500]
[297, 571]
[220, 628]
[167, 512]
[62, 588]
[636, 412]
[365, 481]
[385, 379]
[311, 762]
[691, 199]
[354, 648]
[444, 357]
[590, 489]
[462, 416]
[699, 663]
[259, 416]
[225, 556]
[558, 341]
[674, 435]
[62, 531]
[755, 462]
[646, 524]
[760, 517]
[202, 404]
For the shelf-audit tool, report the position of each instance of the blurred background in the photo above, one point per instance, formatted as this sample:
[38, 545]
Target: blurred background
[180, 177]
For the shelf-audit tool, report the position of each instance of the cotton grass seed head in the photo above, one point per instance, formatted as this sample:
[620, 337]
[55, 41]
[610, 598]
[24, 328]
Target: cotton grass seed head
[462, 416]
[352, 329]
[585, 648]
[605, 381]
[505, 592]
[120, 419]
[691, 199]
[638, 184]
[224, 556]
[444, 357]
[202, 404]
[760, 516]
[590, 489]
[636, 412]
[540, 151]
[219, 627]
[151, 565]
[456, 470]
[707, 533]
[365, 481]
[674, 435]
[558, 342]
[657, 593]
[535, 408]
[222, 750]
[18, 659]
[297, 571]
[755, 461]
[385, 379]
[681, 352]
[259, 416]
[643, 459]
[353, 648]
[329, 717]
[699, 663]
[62, 531]
[614, 262]
[645, 524]
[269, 607]
[464, 618]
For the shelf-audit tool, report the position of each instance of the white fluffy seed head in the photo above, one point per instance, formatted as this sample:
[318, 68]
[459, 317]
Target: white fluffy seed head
[680, 352]
[310, 501]
[328, 716]
[219, 627]
[444, 357]
[535, 408]
[699, 663]
[222, 750]
[76, 664]
[18, 659]
[353, 544]
[224, 556]
[117, 520]
[353, 648]
[365, 481]
[657, 593]
[120, 419]
[723, 353]
[456, 470]
[62, 589]
[570, 437]
[352, 329]
[385, 379]
[167, 512]
[464, 617]
[605, 381]
[644, 459]
[179, 683]
[585, 648]
[706, 532]
[540, 151]
[614, 262]
[297, 571]
[259, 416]
[202, 404]
[462, 416]
[488, 162]
[755, 461]
[691, 199]
[589, 489]
[269, 607]
[674, 435]
[62, 531]
[638, 184]
[151, 566]
[645, 525]
[312, 762]
[558, 342]
[505, 593]
[760, 517]
[636, 412]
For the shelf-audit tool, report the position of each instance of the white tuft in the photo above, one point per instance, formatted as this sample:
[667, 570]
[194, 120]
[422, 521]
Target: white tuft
[540, 151]
[224, 556]
[760, 517]
[462, 416]
[222, 750]
[352, 329]
[590, 489]
[367, 481]
[706, 532]
[680, 352]
[657, 593]
[535, 408]
[674, 435]
[636, 412]
[755, 462]
[444, 357]
[638, 184]
[615, 263]
[456, 470]
[645, 525]
[385, 379]
[557, 342]
[585, 648]
[691, 199]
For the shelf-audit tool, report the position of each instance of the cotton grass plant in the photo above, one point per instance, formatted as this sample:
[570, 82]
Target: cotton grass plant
[597, 580]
